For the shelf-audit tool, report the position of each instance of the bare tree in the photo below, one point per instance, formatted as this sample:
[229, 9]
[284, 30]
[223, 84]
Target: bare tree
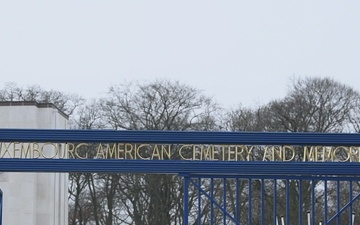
[311, 105]
[65, 102]
[140, 199]
[159, 105]
[89, 194]
[316, 105]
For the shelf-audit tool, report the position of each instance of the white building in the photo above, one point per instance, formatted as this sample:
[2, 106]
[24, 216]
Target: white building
[33, 198]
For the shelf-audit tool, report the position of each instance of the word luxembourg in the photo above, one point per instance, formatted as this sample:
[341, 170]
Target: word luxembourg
[179, 152]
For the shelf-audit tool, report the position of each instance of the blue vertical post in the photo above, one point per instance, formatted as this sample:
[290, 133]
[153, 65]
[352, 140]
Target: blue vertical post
[199, 201]
[262, 202]
[212, 203]
[326, 202]
[249, 204]
[186, 199]
[1, 205]
[225, 206]
[237, 215]
[275, 201]
[338, 201]
[312, 202]
[287, 202]
[300, 202]
[350, 199]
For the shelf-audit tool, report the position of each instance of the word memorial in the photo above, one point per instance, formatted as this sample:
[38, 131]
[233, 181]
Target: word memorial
[143, 151]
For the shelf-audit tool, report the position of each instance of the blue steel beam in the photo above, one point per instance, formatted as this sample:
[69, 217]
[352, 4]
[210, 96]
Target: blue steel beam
[179, 137]
[179, 167]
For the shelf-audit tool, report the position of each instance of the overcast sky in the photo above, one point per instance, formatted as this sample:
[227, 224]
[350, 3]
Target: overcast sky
[235, 51]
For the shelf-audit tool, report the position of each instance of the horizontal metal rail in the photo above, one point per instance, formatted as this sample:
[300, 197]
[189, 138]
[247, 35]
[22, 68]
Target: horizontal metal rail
[179, 167]
[180, 137]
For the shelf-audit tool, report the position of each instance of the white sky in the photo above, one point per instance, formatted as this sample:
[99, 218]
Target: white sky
[235, 51]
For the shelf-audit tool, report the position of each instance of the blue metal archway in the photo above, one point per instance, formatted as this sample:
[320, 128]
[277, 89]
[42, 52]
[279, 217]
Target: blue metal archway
[197, 174]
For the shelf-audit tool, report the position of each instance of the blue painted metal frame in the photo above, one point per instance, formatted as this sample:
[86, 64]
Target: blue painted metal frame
[176, 137]
[194, 169]
[180, 167]
[232, 218]
[183, 137]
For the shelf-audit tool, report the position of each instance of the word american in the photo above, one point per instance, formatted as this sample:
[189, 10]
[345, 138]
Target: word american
[145, 151]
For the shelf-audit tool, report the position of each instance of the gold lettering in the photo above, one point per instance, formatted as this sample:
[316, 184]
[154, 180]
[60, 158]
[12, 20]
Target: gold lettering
[6, 151]
[249, 152]
[319, 154]
[36, 149]
[340, 154]
[268, 153]
[222, 153]
[121, 151]
[70, 150]
[129, 148]
[100, 154]
[206, 152]
[215, 153]
[181, 153]
[16, 148]
[43, 150]
[288, 153]
[354, 154]
[239, 149]
[111, 152]
[145, 151]
[77, 149]
[231, 150]
[309, 154]
[25, 151]
[196, 153]
[61, 152]
[156, 153]
[277, 154]
[166, 152]
[138, 151]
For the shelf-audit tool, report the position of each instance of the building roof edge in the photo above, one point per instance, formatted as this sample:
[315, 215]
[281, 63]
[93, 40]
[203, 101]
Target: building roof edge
[33, 103]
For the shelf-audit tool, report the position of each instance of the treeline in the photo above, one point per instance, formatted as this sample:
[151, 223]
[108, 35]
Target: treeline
[311, 105]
